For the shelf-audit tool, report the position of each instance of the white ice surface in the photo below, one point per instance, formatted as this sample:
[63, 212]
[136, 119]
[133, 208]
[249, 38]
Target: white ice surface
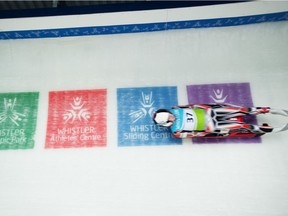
[185, 180]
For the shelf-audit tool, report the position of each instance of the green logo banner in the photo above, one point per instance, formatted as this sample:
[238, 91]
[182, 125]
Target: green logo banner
[18, 115]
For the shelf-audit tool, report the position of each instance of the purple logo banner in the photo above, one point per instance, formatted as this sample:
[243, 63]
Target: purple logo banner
[232, 93]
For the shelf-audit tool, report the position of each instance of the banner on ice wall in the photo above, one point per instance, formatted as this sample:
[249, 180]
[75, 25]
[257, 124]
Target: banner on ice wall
[136, 107]
[76, 119]
[231, 93]
[18, 116]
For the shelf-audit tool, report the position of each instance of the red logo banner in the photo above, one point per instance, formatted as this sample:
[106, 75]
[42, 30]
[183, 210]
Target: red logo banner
[76, 119]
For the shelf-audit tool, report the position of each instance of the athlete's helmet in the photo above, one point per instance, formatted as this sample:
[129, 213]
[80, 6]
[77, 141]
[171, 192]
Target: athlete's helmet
[162, 117]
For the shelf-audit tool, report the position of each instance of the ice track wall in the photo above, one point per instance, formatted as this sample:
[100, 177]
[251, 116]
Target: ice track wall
[104, 165]
[144, 21]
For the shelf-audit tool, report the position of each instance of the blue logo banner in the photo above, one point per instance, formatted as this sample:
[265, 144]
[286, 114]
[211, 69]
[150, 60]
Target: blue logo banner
[136, 107]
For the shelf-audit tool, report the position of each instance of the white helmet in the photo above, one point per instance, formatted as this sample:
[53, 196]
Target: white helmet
[161, 117]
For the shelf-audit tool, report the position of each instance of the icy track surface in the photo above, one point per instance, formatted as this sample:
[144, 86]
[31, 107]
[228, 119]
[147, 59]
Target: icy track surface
[189, 179]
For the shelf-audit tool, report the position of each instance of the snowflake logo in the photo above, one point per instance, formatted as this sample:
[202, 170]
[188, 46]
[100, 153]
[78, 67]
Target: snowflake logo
[10, 112]
[218, 96]
[78, 112]
[146, 103]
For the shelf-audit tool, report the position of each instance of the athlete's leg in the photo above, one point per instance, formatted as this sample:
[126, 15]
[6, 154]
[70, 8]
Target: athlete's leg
[222, 120]
[230, 112]
[258, 110]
